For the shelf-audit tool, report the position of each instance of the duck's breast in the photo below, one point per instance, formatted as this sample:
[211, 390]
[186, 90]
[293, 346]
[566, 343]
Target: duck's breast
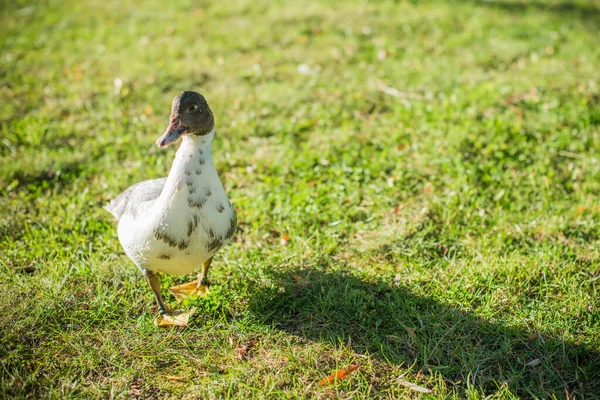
[198, 223]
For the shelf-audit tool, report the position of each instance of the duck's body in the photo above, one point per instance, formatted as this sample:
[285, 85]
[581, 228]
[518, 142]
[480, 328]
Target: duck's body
[177, 223]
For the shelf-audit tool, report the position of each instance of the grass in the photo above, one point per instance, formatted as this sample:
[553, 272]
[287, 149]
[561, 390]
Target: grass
[416, 183]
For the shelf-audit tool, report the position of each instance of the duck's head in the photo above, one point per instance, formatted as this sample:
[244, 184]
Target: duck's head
[190, 115]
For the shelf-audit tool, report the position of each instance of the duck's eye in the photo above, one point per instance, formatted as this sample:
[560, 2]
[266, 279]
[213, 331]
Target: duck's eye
[193, 108]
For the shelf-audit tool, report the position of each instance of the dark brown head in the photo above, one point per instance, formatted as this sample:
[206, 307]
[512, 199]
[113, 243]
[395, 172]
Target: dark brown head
[190, 115]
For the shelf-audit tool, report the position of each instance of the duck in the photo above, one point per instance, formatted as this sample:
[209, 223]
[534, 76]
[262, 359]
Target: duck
[175, 224]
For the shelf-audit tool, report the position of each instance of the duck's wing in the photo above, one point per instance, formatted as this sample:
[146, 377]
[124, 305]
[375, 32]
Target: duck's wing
[129, 201]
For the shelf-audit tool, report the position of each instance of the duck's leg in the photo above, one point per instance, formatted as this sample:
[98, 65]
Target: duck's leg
[203, 275]
[166, 317]
[155, 285]
[198, 287]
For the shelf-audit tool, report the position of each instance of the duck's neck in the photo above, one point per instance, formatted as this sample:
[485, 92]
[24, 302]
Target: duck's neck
[193, 148]
[192, 162]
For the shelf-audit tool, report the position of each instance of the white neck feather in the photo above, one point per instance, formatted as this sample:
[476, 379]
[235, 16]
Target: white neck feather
[192, 162]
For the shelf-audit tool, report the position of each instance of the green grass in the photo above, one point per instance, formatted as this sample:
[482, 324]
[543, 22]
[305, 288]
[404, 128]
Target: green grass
[436, 168]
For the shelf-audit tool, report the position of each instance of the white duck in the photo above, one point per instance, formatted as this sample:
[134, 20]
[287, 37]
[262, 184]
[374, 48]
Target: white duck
[176, 223]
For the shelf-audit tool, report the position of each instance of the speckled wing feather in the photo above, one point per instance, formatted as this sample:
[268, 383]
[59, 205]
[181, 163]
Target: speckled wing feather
[128, 201]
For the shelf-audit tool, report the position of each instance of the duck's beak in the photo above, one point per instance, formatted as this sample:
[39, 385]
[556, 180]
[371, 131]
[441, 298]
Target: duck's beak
[173, 132]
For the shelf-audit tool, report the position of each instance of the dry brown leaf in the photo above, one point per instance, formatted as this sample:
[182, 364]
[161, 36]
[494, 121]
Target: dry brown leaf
[177, 318]
[241, 352]
[176, 378]
[411, 332]
[300, 280]
[414, 386]
[444, 250]
[189, 289]
[398, 209]
[339, 375]
[531, 337]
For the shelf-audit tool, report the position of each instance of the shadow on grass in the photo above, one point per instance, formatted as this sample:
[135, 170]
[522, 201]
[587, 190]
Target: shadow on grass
[60, 176]
[566, 9]
[395, 326]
